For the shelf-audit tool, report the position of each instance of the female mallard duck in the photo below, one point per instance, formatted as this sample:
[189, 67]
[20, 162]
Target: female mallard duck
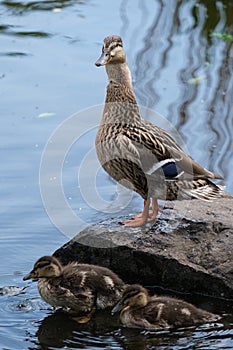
[80, 287]
[140, 310]
[139, 155]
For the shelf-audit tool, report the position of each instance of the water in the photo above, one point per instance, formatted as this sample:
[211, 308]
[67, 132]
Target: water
[47, 74]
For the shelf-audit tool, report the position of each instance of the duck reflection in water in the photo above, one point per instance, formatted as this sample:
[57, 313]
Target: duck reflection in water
[60, 329]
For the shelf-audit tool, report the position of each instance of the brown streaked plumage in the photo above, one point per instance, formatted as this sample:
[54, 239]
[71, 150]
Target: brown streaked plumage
[138, 154]
[82, 288]
[138, 309]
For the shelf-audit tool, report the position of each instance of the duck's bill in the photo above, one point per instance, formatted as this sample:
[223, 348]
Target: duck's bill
[28, 276]
[104, 59]
[117, 307]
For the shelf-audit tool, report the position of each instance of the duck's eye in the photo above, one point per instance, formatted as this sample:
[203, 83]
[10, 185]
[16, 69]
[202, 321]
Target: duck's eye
[116, 45]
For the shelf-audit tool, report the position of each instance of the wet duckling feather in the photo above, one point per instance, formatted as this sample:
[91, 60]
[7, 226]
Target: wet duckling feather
[138, 309]
[79, 287]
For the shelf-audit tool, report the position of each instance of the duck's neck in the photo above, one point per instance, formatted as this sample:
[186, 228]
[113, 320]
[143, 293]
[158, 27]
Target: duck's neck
[119, 73]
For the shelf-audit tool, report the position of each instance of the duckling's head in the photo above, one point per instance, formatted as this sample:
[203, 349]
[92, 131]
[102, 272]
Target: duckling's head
[45, 267]
[112, 51]
[133, 296]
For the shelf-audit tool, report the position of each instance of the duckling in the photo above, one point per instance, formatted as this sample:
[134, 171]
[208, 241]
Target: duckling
[138, 154]
[82, 288]
[138, 309]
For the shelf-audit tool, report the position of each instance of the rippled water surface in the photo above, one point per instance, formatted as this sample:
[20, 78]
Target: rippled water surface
[181, 67]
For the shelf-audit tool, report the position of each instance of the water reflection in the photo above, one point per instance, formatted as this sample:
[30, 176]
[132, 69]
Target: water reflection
[36, 34]
[19, 8]
[13, 54]
[59, 330]
[47, 65]
[178, 47]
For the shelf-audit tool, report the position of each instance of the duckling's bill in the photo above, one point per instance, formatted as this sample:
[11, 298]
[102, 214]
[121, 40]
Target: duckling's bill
[118, 307]
[29, 276]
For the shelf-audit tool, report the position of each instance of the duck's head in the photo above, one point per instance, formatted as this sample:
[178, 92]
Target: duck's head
[45, 267]
[112, 51]
[133, 296]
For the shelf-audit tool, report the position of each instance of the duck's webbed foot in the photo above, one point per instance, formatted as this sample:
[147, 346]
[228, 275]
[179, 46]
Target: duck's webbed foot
[83, 318]
[145, 216]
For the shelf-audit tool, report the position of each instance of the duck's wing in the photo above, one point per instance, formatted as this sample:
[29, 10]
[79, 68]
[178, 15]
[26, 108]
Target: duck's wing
[135, 156]
[80, 297]
[69, 283]
[152, 314]
[73, 280]
[165, 150]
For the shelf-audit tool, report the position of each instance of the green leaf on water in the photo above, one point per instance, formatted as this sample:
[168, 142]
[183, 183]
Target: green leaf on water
[223, 36]
[196, 80]
[46, 115]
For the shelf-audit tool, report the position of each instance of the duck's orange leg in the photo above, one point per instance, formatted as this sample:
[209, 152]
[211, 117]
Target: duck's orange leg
[155, 209]
[141, 218]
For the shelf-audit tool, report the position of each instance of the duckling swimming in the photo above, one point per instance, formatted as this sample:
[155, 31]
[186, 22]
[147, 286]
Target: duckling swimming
[82, 288]
[138, 309]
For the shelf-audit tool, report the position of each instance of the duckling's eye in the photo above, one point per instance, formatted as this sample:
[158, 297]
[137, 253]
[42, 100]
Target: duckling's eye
[132, 294]
[42, 264]
[82, 297]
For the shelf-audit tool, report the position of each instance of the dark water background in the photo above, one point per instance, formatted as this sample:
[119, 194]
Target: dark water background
[47, 73]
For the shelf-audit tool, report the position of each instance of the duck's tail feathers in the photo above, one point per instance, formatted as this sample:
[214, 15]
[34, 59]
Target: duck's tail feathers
[201, 189]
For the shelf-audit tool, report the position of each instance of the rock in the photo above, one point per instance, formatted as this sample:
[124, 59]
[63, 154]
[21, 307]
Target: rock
[188, 249]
